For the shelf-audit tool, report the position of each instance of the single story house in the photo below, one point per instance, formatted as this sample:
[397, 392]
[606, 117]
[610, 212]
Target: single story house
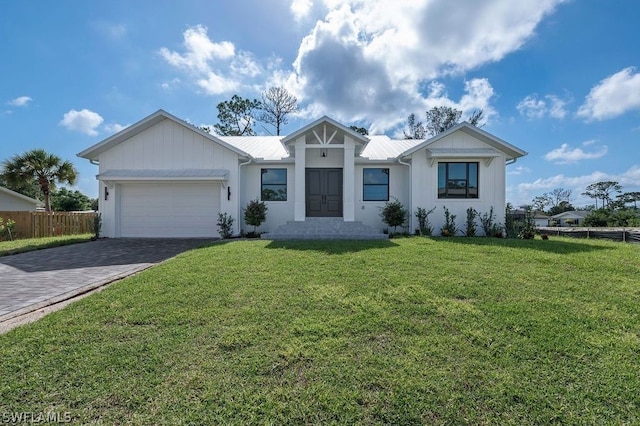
[570, 218]
[163, 177]
[539, 218]
[11, 201]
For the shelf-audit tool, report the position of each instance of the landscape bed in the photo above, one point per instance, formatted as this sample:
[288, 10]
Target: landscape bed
[406, 331]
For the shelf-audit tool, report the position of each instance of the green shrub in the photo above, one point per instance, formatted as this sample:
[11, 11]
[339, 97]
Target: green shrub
[394, 214]
[449, 229]
[97, 226]
[225, 225]
[472, 214]
[255, 214]
[7, 229]
[424, 225]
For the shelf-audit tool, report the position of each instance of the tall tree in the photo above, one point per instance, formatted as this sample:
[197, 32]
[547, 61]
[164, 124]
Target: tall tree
[277, 103]
[363, 131]
[557, 201]
[630, 197]
[37, 164]
[237, 116]
[415, 128]
[440, 119]
[602, 191]
[65, 200]
[29, 188]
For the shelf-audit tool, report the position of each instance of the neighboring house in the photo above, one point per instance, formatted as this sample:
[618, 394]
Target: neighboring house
[11, 201]
[571, 218]
[540, 219]
[162, 177]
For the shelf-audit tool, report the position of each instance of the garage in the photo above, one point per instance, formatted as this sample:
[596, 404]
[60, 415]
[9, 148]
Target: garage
[169, 209]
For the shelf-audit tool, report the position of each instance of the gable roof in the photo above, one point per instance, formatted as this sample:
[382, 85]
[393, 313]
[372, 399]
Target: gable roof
[18, 195]
[511, 151]
[573, 214]
[92, 152]
[328, 120]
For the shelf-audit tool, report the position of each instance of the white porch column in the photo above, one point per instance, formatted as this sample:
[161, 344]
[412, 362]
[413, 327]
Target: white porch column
[299, 205]
[349, 207]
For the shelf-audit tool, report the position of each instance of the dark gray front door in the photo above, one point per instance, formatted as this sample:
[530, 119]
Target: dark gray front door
[324, 192]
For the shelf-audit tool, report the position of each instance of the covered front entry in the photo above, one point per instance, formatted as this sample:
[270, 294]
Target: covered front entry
[323, 192]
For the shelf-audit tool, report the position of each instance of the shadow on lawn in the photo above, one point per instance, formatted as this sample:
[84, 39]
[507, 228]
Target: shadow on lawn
[550, 246]
[331, 246]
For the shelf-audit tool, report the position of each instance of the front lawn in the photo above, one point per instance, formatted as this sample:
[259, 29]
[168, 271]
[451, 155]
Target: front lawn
[407, 331]
[30, 244]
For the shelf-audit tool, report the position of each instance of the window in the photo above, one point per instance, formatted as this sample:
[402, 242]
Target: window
[375, 185]
[274, 185]
[457, 180]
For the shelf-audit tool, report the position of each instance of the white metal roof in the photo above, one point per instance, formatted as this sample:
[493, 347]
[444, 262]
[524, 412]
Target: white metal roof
[18, 195]
[381, 147]
[264, 147]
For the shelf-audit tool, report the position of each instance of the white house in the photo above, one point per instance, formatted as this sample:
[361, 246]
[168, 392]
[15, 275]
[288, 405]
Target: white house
[13, 201]
[570, 218]
[162, 177]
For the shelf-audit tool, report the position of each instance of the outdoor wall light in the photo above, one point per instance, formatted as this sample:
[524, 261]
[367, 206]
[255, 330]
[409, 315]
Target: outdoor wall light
[228, 193]
[106, 193]
[323, 153]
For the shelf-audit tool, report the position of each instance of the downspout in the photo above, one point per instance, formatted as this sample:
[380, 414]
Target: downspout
[410, 193]
[94, 162]
[513, 160]
[238, 191]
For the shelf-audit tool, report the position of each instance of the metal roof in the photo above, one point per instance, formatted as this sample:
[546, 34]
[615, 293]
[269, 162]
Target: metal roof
[264, 147]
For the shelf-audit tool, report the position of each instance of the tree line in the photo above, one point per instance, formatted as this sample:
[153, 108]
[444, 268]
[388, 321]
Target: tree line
[612, 206]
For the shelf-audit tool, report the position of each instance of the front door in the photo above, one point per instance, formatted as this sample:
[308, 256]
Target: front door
[324, 192]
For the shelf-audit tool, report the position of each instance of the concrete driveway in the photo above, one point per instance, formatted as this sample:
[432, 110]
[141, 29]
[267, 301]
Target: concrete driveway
[34, 280]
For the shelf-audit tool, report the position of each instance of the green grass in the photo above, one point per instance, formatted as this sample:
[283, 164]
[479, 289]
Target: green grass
[408, 331]
[21, 246]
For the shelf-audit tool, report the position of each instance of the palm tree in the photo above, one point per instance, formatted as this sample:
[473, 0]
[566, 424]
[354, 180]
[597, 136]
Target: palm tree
[47, 169]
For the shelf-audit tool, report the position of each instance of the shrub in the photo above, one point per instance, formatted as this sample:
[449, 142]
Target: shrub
[528, 230]
[486, 221]
[424, 226]
[225, 225]
[7, 228]
[255, 214]
[394, 214]
[471, 222]
[97, 226]
[449, 229]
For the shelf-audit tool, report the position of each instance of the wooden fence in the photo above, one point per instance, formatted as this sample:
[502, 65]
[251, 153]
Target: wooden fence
[50, 224]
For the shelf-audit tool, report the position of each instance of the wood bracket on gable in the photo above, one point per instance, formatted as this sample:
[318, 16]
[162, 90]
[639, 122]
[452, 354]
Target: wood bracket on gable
[324, 140]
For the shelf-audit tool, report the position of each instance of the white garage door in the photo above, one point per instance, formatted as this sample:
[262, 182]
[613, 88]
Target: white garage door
[169, 209]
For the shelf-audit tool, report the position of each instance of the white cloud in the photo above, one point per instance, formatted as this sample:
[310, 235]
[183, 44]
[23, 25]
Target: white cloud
[20, 101]
[83, 121]
[518, 170]
[300, 8]
[114, 127]
[523, 193]
[533, 107]
[370, 58]
[613, 96]
[199, 50]
[568, 155]
[215, 67]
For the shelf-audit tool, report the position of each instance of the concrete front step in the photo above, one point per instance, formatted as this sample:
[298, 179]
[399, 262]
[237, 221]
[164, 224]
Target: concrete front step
[324, 229]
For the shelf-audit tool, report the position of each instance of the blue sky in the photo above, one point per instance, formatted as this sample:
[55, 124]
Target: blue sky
[559, 79]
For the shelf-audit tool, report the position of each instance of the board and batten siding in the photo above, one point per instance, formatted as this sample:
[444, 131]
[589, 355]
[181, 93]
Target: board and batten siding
[166, 146]
[491, 185]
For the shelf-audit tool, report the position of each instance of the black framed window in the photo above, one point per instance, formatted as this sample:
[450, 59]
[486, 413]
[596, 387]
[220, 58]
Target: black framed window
[457, 180]
[375, 185]
[273, 185]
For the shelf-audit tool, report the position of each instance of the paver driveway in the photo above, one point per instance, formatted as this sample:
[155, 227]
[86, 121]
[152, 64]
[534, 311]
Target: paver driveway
[29, 280]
